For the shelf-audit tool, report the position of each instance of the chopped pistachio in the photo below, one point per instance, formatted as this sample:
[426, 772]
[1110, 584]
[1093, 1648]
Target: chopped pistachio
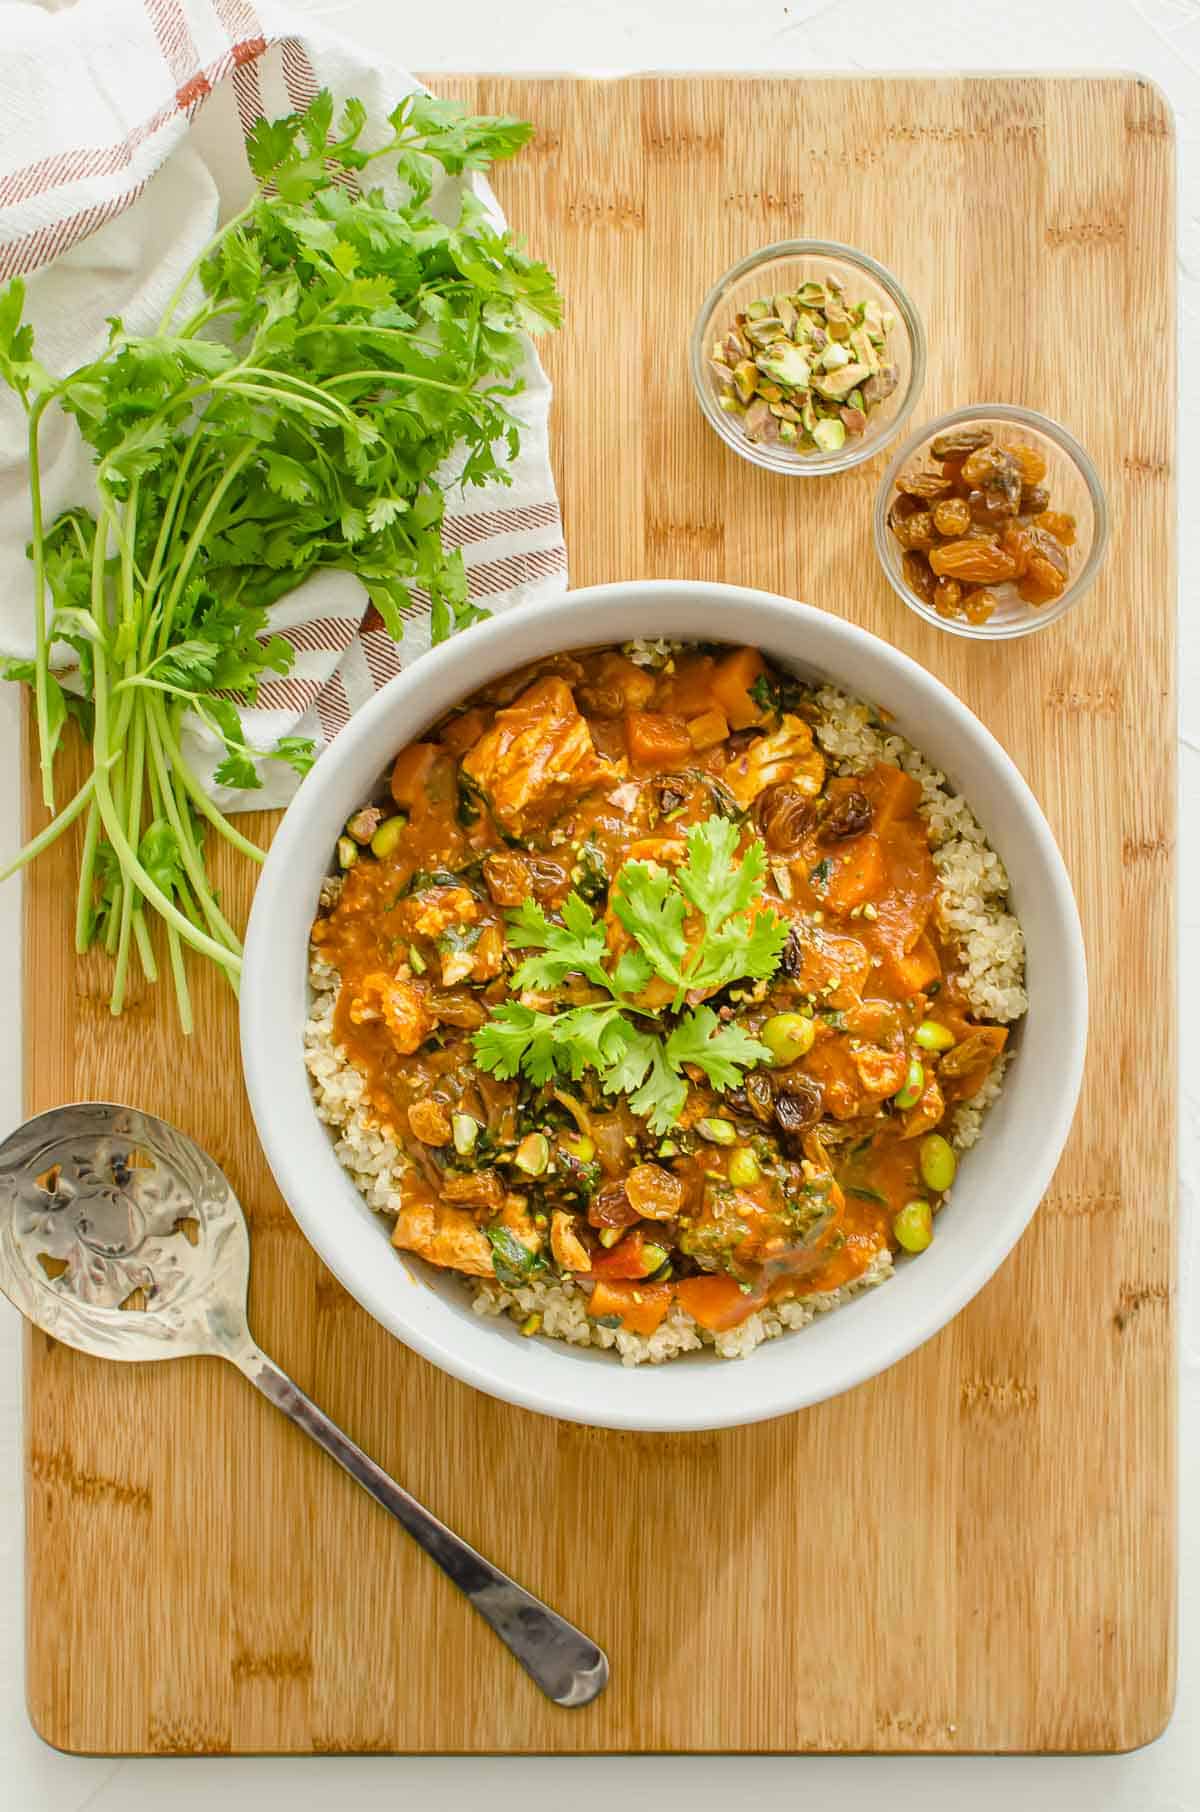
[833, 357]
[837, 384]
[465, 1129]
[347, 852]
[745, 377]
[785, 364]
[829, 434]
[533, 1154]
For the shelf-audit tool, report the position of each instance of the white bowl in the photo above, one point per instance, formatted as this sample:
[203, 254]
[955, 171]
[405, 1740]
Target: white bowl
[1000, 1182]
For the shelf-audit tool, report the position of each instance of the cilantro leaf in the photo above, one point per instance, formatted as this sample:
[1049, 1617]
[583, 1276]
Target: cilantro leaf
[516, 1040]
[714, 879]
[721, 1051]
[650, 907]
[663, 1095]
[577, 946]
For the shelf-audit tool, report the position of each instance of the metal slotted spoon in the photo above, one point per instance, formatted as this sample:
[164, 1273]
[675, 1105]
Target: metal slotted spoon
[120, 1237]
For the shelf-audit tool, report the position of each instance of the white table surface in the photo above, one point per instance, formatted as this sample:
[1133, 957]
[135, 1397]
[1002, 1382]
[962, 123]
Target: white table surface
[1160, 39]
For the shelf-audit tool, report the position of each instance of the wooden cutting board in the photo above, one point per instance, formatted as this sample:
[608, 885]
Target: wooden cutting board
[973, 1552]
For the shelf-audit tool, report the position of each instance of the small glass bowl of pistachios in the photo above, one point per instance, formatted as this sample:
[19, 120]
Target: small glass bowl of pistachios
[807, 357]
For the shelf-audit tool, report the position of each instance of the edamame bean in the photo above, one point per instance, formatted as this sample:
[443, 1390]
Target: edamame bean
[914, 1085]
[938, 1162]
[913, 1226]
[933, 1037]
[788, 1036]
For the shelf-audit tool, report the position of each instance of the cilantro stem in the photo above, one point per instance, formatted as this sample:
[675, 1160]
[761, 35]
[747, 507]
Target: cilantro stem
[133, 827]
[87, 871]
[403, 377]
[52, 831]
[132, 868]
[193, 861]
[145, 948]
[206, 251]
[195, 542]
[195, 791]
[41, 651]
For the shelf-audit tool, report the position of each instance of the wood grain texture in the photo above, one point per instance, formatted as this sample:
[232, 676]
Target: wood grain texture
[974, 1552]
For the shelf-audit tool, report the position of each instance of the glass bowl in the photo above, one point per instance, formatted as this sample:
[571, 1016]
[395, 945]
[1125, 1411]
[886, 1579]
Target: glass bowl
[781, 269]
[1074, 487]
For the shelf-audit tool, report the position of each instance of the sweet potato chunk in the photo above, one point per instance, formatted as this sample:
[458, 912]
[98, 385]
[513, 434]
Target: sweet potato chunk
[731, 683]
[657, 740]
[642, 1307]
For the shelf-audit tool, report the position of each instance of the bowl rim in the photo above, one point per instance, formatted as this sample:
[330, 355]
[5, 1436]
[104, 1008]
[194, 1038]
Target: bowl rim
[275, 1078]
[809, 465]
[1066, 442]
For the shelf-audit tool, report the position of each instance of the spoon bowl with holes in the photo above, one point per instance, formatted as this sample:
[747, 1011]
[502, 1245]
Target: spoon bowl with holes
[121, 1238]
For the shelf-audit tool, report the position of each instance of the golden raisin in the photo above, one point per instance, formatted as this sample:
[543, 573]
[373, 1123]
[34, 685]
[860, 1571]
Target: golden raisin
[956, 443]
[978, 561]
[1019, 543]
[1031, 462]
[981, 465]
[925, 485]
[1045, 575]
[1058, 524]
[918, 577]
[947, 596]
[991, 507]
[1034, 499]
[903, 505]
[915, 531]
[952, 516]
[977, 606]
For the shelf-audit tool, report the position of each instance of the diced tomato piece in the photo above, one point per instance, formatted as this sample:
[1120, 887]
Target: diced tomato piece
[717, 1302]
[656, 740]
[641, 1307]
[731, 683]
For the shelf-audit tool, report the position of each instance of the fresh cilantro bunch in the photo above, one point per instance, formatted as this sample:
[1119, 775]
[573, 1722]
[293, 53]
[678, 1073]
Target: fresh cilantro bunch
[292, 418]
[729, 942]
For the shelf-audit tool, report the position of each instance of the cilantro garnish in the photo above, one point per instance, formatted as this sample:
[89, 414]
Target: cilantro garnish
[326, 352]
[694, 927]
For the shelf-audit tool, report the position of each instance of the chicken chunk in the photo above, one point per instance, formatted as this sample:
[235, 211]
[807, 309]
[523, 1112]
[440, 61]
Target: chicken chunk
[786, 754]
[401, 1005]
[537, 755]
[450, 1237]
[434, 909]
[569, 1250]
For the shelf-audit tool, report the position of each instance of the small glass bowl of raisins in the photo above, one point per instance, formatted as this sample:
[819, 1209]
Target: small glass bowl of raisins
[991, 522]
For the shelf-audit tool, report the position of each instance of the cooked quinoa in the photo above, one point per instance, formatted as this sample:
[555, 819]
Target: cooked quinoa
[973, 920]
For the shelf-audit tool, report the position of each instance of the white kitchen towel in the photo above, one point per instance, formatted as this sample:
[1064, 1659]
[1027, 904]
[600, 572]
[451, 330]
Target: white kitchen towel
[122, 128]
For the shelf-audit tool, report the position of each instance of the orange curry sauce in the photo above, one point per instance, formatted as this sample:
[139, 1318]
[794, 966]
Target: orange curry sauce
[549, 780]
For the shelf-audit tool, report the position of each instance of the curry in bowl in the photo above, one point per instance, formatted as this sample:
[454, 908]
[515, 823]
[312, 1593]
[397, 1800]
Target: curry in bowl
[658, 994]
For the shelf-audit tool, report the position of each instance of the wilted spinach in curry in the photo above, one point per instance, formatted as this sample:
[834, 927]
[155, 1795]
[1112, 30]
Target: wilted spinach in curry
[667, 1009]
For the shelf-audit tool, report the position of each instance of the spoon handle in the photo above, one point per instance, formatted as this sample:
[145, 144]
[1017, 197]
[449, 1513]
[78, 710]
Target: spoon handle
[565, 1663]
